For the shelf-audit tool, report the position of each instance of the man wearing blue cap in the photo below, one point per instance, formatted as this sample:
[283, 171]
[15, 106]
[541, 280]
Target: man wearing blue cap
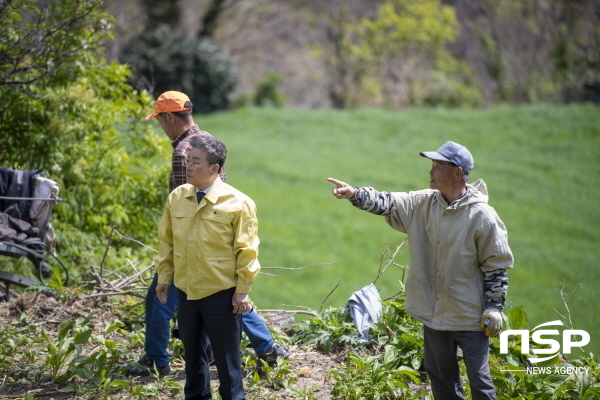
[459, 257]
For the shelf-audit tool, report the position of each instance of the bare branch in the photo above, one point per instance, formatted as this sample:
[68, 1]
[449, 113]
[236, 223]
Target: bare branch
[394, 296]
[264, 273]
[112, 229]
[326, 297]
[292, 305]
[118, 293]
[390, 261]
[135, 241]
[294, 269]
[292, 312]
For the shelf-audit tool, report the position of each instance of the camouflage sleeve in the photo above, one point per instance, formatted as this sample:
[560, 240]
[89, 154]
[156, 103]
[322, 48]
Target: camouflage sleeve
[495, 286]
[369, 199]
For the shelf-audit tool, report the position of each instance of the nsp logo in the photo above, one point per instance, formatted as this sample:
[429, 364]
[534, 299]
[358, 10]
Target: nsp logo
[568, 340]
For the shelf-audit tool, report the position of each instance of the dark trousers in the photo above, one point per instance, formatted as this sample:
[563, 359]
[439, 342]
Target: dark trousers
[442, 368]
[158, 326]
[211, 318]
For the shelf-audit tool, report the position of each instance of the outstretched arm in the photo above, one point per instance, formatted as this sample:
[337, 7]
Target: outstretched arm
[364, 198]
[342, 190]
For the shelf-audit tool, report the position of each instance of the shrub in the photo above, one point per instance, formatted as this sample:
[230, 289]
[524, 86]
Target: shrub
[164, 59]
[268, 91]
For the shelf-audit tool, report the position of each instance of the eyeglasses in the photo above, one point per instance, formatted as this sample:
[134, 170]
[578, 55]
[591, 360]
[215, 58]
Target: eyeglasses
[192, 164]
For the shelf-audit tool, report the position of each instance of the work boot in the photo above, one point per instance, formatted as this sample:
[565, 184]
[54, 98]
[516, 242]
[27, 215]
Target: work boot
[146, 365]
[276, 351]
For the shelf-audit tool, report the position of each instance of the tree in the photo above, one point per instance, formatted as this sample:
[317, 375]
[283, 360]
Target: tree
[396, 57]
[577, 48]
[47, 39]
[165, 57]
[343, 66]
[60, 110]
[405, 45]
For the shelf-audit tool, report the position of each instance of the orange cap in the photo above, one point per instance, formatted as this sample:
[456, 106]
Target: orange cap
[171, 101]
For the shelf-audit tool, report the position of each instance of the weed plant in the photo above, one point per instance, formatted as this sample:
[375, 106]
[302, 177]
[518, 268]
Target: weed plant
[387, 366]
[329, 330]
[390, 364]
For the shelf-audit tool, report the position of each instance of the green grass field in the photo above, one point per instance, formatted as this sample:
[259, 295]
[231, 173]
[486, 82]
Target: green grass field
[540, 163]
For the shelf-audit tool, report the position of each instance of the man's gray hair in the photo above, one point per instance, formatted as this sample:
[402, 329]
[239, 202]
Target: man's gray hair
[465, 177]
[217, 153]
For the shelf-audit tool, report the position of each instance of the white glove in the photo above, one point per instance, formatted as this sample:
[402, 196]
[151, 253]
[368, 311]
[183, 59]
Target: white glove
[493, 319]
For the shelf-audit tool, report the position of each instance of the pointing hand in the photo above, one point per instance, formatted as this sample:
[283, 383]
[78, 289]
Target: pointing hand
[342, 190]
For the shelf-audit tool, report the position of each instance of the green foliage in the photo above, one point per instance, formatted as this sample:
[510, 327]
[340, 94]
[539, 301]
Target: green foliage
[49, 41]
[513, 380]
[371, 378]
[385, 375]
[62, 105]
[494, 62]
[268, 91]
[71, 335]
[328, 330]
[400, 334]
[398, 356]
[166, 59]
[273, 377]
[404, 24]
[18, 343]
[97, 374]
[451, 84]
[412, 35]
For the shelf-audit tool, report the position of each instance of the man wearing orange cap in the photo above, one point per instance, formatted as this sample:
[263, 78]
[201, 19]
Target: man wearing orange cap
[173, 110]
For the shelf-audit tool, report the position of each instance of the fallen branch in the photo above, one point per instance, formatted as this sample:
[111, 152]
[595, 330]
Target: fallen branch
[132, 291]
[291, 305]
[112, 229]
[291, 312]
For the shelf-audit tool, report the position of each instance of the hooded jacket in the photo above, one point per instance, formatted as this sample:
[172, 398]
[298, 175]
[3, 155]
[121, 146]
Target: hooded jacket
[459, 253]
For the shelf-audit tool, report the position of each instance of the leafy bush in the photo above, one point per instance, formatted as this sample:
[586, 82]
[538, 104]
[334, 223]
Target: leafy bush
[400, 334]
[268, 91]
[395, 355]
[61, 109]
[512, 380]
[165, 59]
[331, 329]
[373, 377]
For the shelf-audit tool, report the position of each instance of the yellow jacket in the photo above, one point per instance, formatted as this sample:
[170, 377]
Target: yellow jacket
[209, 246]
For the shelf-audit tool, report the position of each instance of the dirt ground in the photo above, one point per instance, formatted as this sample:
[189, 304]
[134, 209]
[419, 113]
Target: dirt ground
[309, 366]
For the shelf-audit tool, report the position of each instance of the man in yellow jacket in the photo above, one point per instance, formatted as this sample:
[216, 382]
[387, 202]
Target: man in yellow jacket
[209, 249]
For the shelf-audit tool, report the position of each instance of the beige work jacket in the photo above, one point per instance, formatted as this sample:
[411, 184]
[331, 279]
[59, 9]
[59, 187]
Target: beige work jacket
[451, 247]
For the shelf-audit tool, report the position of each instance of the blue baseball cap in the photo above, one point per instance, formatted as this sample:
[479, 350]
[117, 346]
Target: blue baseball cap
[454, 153]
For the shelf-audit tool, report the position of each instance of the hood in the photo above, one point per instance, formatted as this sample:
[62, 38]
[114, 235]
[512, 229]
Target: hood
[477, 194]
